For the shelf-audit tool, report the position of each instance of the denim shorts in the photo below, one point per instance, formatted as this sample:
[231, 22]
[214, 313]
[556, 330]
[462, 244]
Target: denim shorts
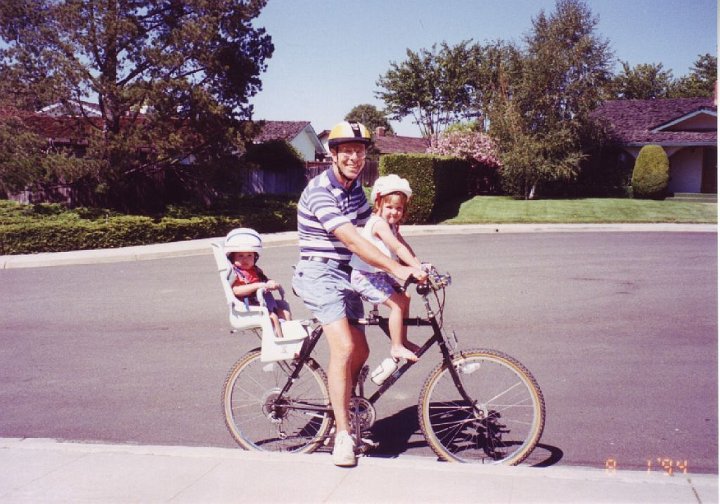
[374, 288]
[326, 291]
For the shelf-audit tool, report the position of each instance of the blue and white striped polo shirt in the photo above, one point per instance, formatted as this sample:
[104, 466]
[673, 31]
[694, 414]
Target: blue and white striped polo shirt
[324, 206]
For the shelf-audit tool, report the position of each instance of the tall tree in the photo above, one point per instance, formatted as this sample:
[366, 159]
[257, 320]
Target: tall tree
[701, 81]
[496, 63]
[171, 79]
[644, 81]
[542, 116]
[370, 116]
[433, 86]
[567, 64]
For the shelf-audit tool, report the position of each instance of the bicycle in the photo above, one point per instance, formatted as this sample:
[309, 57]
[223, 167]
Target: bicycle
[477, 405]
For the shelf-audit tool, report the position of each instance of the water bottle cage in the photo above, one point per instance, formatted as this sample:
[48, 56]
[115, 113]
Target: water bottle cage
[450, 340]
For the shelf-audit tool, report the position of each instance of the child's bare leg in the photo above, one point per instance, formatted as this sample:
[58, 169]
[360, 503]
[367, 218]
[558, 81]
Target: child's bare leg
[395, 323]
[406, 314]
[276, 324]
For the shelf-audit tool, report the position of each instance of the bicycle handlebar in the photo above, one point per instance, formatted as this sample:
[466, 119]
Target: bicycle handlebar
[409, 280]
[435, 281]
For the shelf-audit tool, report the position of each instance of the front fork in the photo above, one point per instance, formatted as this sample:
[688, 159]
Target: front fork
[448, 359]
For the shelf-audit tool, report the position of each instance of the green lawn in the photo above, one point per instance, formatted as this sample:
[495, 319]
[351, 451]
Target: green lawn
[501, 209]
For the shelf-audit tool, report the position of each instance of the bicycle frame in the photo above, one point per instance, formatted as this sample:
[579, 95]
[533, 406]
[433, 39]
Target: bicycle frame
[374, 320]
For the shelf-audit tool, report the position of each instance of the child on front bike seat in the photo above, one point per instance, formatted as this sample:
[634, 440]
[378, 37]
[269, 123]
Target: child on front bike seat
[390, 195]
[243, 247]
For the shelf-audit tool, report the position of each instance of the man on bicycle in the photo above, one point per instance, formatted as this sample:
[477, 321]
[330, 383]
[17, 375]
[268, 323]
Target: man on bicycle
[330, 208]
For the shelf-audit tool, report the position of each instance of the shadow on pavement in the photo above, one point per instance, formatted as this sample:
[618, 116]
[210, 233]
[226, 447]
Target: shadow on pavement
[393, 435]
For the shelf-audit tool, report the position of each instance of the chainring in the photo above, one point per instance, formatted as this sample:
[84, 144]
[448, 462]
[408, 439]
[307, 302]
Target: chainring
[362, 411]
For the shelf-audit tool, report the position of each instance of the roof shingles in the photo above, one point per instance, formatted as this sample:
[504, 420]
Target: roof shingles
[632, 121]
[280, 130]
[400, 144]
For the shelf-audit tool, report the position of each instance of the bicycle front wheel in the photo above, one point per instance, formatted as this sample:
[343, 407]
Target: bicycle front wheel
[502, 424]
[258, 418]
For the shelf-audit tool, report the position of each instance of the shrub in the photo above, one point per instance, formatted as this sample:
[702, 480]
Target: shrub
[651, 174]
[479, 149]
[26, 229]
[472, 145]
[277, 155]
[434, 180]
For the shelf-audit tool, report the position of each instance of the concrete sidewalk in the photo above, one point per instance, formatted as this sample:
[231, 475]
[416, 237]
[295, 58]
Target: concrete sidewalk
[201, 247]
[46, 471]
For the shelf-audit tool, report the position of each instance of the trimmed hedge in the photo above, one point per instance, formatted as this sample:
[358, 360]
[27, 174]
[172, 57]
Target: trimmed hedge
[25, 232]
[651, 174]
[435, 180]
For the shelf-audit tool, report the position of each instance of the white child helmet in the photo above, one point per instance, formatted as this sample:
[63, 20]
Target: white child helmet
[389, 184]
[243, 240]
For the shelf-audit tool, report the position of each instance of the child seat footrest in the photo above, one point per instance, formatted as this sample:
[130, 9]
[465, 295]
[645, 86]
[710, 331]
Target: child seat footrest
[287, 347]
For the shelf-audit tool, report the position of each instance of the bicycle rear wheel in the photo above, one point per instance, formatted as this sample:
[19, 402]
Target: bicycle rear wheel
[503, 424]
[258, 419]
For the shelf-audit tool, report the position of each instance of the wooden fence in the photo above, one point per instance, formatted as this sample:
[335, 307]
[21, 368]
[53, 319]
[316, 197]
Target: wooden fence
[289, 182]
[255, 181]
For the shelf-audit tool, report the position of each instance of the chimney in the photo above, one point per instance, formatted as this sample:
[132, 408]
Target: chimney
[380, 131]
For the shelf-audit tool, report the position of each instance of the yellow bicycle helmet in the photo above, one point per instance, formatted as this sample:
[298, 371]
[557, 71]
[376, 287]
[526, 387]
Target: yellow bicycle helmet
[346, 132]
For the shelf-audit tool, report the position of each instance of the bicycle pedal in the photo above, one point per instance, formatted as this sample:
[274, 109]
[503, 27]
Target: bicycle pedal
[362, 449]
[367, 444]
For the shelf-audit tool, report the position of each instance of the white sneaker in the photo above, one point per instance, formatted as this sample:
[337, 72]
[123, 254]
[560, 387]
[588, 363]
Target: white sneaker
[344, 450]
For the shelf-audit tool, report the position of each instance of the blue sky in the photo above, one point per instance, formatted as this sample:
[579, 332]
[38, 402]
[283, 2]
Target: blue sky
[330, 53]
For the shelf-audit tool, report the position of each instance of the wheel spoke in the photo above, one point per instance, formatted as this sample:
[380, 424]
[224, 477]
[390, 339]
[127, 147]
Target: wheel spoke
[503, 424]
[259, 418]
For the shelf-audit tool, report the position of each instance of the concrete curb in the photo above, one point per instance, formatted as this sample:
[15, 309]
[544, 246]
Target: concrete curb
[409, 461]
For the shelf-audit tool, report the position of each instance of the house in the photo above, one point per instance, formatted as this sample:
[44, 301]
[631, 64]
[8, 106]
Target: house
[54, 121]
[299, 134]
[686, 128]
[62, 131]
[76, 108]
[302, 137]
[324, 136]
[393, 144]
[72, 129]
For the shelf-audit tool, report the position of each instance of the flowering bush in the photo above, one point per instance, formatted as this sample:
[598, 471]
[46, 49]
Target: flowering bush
[479, 150]
[474, 146]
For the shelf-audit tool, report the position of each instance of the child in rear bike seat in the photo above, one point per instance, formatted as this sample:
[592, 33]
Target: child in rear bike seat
[390, 196]
[243, 247]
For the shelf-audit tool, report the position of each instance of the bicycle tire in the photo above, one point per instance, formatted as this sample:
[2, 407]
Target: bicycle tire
[257, 422]
[506, 422]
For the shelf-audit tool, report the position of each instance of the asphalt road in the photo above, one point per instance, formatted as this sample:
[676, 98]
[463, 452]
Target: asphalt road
[619, 329]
